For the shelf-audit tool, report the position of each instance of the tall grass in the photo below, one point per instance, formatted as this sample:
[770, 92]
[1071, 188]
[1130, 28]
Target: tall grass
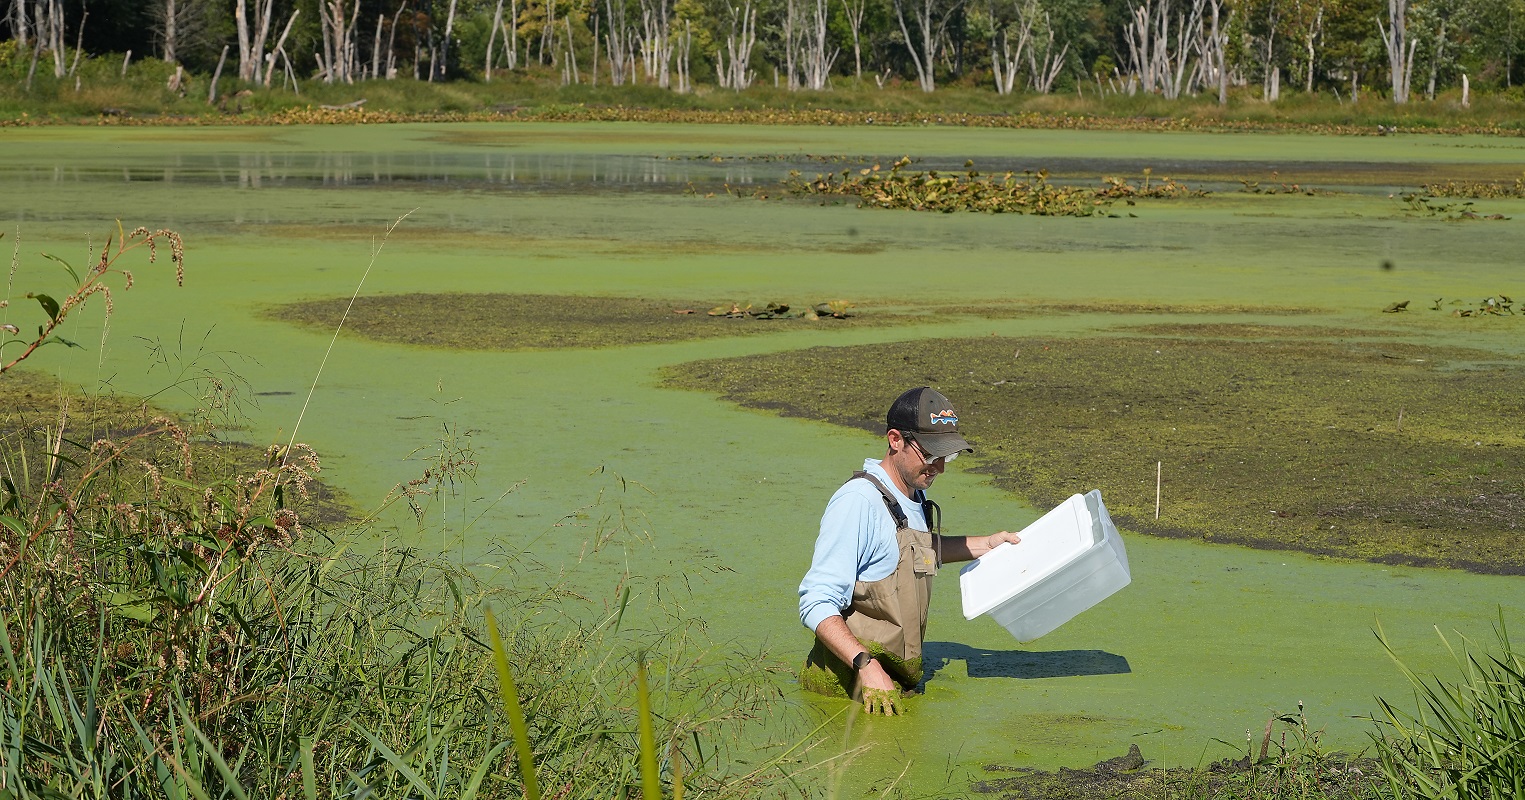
[168, 637]
[169, 627]
[1466, 740]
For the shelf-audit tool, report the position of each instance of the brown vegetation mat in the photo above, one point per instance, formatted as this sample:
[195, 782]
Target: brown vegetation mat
[1384, 451]
[30, 406]
[1327, 777]
[544, 322]
[1000, 310]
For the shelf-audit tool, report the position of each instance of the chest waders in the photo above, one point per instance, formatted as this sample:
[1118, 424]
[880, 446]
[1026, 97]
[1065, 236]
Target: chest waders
[889, 616]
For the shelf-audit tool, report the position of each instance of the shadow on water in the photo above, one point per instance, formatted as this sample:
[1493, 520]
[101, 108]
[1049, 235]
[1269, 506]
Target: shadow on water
[984, 663]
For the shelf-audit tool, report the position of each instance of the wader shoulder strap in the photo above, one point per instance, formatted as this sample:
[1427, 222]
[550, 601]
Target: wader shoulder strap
[889, 499]
[930, 511]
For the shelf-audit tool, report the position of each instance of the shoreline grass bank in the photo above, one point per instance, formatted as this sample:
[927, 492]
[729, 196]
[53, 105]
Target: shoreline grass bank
[142, 97]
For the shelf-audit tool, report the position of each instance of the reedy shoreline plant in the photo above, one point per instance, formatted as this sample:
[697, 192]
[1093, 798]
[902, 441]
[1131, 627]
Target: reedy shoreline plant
[170, 633]
[1466, 739]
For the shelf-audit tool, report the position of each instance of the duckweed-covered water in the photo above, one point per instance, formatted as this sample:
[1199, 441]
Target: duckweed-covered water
[720, 504]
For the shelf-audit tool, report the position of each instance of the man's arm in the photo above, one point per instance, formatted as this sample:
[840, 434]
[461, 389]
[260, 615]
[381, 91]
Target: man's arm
[968, 548]
[833, 633]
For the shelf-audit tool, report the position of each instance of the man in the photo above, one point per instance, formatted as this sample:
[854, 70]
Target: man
[869, 584]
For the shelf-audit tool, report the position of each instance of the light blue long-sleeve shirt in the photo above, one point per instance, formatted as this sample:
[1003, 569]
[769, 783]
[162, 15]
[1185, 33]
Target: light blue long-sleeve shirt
[856, 543]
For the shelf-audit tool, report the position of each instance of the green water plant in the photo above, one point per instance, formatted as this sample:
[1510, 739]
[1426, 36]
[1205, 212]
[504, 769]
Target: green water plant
[92, 283]
[1466, 737]
[970, 190]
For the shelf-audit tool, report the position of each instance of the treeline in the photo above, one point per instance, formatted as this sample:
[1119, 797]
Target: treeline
[1397, 48]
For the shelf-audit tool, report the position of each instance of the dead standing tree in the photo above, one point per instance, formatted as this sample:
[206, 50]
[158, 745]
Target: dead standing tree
[618, 43]
[340, 57]
[252, 35]
[1395, 39]
[1158, 58]
[1044, 69]
[732, 66]
[931, 18]
[21, 25]
[656, 41]
[853, 11]
[1004, 57]
[1216, 54]
[808, 55]
[510, 40]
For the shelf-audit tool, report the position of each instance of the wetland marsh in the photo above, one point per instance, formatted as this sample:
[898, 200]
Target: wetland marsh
[1258, 299]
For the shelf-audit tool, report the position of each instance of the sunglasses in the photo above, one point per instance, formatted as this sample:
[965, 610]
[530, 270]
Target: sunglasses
[927, 459]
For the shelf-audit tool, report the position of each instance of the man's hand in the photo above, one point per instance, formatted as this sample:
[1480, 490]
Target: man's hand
[880, 694]
[879, 701]
[995, 540]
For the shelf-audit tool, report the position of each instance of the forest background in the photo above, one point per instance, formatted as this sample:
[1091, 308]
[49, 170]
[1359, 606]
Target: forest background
[1339, 51]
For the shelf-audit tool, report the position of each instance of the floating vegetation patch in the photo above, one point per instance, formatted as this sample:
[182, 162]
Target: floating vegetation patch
[1477, 189]
[1498, 305]
[1386, 451]
[30, 421]
[1419, 204]
[1256, 187]
[546, 322]
[1007, 193]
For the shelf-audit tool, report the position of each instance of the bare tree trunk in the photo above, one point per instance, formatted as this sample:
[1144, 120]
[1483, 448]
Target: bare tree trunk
[376, 47]
[548, 34]
[1395, 39]
[1440, 54]
[685, 47]
[930, 24]
[279, 44]
[854, 11]
[1004, 61]
[216, 76]
[656, 41]
[492, 35]
[790, 43]
[171, 15]
[733, 67]
[444, 60]
[1219, 56]
[56, 37]
[1314, 32]
[391, 68]
[20, 25]
[79, 46]
[252, 35]
[1045, 69]
[617, 42]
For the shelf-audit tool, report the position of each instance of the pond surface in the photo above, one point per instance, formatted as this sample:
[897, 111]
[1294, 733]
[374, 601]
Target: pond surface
[1208, 641]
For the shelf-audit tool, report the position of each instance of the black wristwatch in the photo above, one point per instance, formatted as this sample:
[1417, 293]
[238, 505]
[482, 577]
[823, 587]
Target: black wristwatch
[861, 660]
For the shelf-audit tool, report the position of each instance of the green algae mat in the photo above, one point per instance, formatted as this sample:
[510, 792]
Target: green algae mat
[1277, 372]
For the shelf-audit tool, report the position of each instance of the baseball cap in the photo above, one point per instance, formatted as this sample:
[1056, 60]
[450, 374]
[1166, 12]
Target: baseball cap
[928, 417]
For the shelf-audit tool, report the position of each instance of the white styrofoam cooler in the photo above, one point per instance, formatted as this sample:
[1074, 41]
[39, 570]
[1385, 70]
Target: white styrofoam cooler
[1069, 560]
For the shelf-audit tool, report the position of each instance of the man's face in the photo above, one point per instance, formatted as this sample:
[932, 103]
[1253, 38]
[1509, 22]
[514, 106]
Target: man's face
[908, 464]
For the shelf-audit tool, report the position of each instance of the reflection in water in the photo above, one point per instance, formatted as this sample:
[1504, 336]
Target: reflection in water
[984, 663]
[605, 173]
[534, 172]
